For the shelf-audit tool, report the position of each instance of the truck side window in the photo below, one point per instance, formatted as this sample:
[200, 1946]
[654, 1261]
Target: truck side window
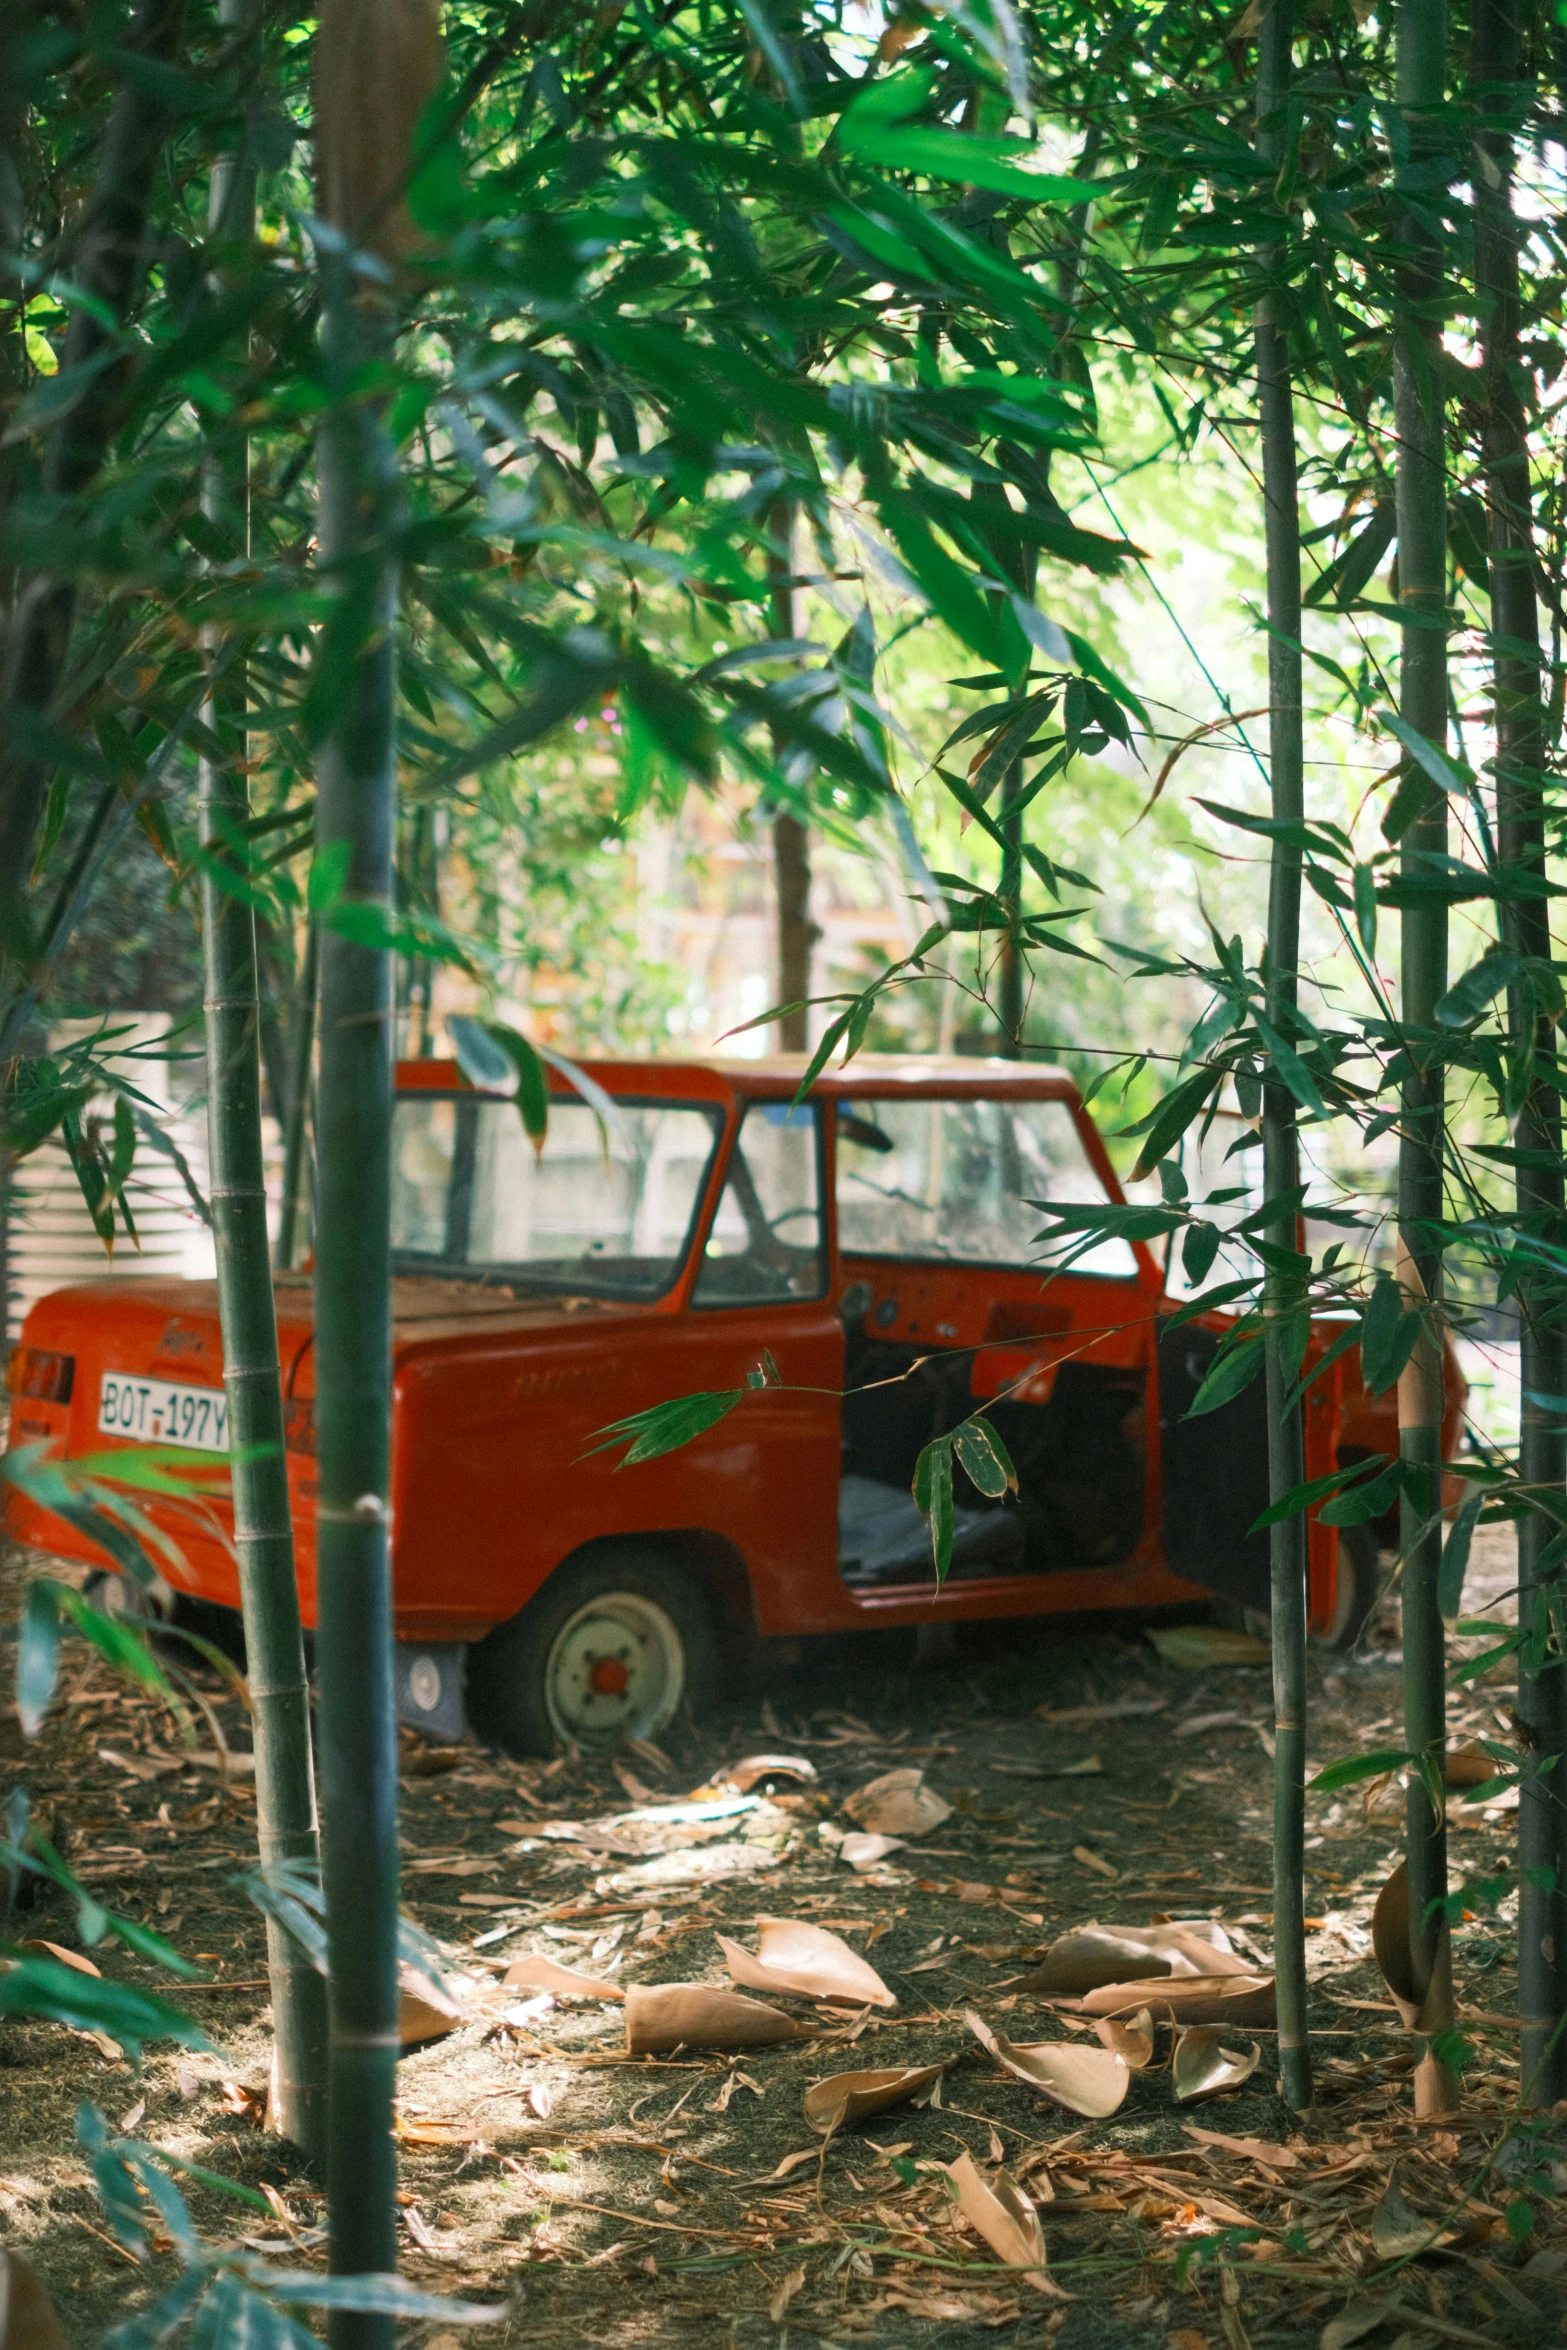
[959, 1182]
[766, 1241]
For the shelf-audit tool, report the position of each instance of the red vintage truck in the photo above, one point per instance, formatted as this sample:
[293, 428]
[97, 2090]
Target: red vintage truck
[879, 1242]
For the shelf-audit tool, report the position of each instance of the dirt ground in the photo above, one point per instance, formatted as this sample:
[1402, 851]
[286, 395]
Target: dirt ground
[652, 2200]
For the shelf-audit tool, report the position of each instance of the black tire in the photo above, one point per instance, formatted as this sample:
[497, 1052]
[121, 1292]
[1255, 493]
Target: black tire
[1359, 1587]
[114, 1594]
[163, 1610]
[530, 1687]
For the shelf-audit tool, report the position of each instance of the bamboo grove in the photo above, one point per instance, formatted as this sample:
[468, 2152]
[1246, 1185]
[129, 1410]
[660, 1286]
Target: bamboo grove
[376, 406]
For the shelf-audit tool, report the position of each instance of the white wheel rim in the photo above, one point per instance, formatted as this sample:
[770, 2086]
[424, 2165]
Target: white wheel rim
[616, 1670]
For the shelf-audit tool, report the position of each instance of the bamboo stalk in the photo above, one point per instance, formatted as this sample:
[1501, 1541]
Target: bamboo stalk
[797, 934]
[1421, 496]
[1282, 1297]
[263, 1528]
[1009, 986]
[376, 64]
[301, 1059]
[1496, 61]
[357, 781]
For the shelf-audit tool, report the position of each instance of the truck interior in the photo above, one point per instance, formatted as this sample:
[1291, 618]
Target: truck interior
[945, 1306]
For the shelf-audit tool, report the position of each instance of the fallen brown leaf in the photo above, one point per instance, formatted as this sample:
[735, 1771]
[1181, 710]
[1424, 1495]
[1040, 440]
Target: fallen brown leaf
[1200, 1999]
[692, 2015]
[426, 2009]
[1193, 1647]
[898, 1804]
[845, 2098]
[1069, 1717]
[997, 2209]
[807, 1961]
[1096, 1862]
[1203, 2067]
[1132, 2040]
[1361, 2317]
[544, 1974]
[1092, 1954]
[1090, 2081]
[70, 1958]
[779, 2299]
[1396, 2231]
[1249, 2149]
[931, 2301]
[758, 1770]
[28, 2318]
[244, 2104]
[861, 1851]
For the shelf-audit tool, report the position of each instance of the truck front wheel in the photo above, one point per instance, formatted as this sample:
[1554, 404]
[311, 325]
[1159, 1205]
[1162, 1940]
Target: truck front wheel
[606, 1651]
[1357, 1589]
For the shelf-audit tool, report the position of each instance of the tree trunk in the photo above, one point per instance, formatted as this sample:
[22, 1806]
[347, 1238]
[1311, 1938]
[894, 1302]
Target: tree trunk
[1496, 63]
[1282, 1291]
[263, 1528]
[107, 263]
[1421, 493]
[797, 933]
[376, 62]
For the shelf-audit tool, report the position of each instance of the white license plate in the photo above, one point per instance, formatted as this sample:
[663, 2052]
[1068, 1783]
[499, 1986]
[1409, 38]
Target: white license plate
[156, 1411]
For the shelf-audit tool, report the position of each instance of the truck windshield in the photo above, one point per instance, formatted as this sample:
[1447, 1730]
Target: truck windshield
[606, 1209]
[956, 1180]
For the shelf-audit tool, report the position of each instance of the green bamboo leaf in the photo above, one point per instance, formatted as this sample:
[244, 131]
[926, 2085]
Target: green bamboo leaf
[946, 585]
[1092, 665]
[1109, 1219]
[1233, 1368]
[1301, 1497]
[890, 98]
[777, 55]
[1468, 997]
[984, 1458]
[1368, 1498]
[973, 160]
[38, 1655]
[1455, 1556]
[1366, 909]
[1388, 1334]
[533, 1090]
[1199, 1248]
[94, 2003]
[381, 2295]
[666, 1427]
[1290, 1067]
[1164, 1125]
[932, 1490]
[1355, 1767]
[1447, 774]
[150, 2328]
[234, 2317]
[479, 1057]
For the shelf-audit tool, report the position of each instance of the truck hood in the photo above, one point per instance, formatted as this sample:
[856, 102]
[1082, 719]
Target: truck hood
[173, 1326]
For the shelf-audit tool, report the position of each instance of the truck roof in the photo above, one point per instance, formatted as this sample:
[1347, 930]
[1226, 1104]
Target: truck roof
[868, 1077]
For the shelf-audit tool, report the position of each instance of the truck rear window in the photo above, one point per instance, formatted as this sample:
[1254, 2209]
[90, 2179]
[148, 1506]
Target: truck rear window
[955, 1181]
[606, 1209]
